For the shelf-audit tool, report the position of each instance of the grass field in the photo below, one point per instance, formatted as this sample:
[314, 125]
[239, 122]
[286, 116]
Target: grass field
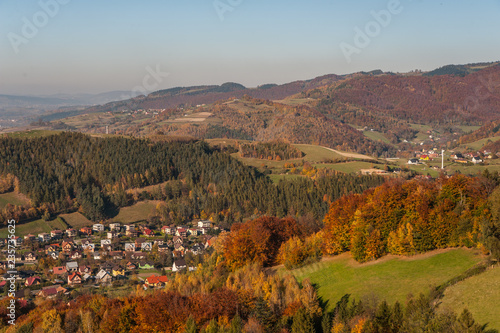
[476, 145]
[277, 178]
[137, 212]
[480, 294]
[35, 227]
[12, 198]
[376, 136]
[32, 134]
[348, 167]
[315, 154]
[76, 220]
[390, 278]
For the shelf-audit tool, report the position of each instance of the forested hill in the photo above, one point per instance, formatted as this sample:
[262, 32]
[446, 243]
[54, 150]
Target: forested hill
[71, 171]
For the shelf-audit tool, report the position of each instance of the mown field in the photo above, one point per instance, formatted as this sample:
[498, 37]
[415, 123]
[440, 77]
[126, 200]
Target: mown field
[480, 294]
[12, 198]
[35, 227]
[391, 278]
[137, 212]
[76, 220]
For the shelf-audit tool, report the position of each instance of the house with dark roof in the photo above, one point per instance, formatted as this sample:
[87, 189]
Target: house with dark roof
[178, 265]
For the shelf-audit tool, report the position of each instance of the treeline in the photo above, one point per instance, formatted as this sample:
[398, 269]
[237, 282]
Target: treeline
[245, 196]
[489, 130]
[69, 171]
[275, 150]
[408, 217]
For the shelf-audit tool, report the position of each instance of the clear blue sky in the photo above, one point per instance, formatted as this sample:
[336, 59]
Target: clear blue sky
[96, 46]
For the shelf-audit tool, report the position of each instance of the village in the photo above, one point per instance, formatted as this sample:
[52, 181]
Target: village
[64, 262]
[455, 157]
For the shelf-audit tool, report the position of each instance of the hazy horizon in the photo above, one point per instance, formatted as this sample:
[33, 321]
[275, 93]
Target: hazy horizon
[63, 46]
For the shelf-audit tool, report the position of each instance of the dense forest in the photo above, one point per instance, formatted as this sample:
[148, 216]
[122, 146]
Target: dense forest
[69, 171]
[275, 150]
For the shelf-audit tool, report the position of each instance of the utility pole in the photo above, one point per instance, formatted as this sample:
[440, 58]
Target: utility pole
[107, 129]
[442, 159]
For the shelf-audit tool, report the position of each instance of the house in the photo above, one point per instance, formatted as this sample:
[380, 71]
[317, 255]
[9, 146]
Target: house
[413, 161]
[52, 248]
[138, 256]
[425, 158]
[98, 227]
[146, 265]
[71, 232]
[77, 254]
[148, 232]
[97, 256]
[197, 248]
[130, 230]
[30, 257]
[85, 269]
[105, 243]
[108, 266]
[44, 237]
[129, 247]
[457, 156]
[74, 278]
[193, 231]
[29, 237]
[179, 247]
[178, 240]
[156, 281]
[116, 255]
[138, 242]
[210, 241]
[115, 227]
[204, 224]
[67, 246]
[179, 265]
[476, 160]
[181, 232]
[131, 266]
[90, 247]
[52, 291]
[118, 271]
[112, 235]
[103, 276]
[32, 281]
[146, 246]
[86, 231]
[163, 248]
[53, 254]
[167, 230]
[60, 270]
[72, 266]
[56, 234]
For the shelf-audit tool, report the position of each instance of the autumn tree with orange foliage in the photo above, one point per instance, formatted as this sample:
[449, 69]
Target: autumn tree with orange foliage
[406, 217]
[258, 240]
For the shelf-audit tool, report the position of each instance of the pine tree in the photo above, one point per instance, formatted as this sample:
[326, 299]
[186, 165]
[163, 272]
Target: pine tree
[302, 322]
[190, 325]
[236, 325]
